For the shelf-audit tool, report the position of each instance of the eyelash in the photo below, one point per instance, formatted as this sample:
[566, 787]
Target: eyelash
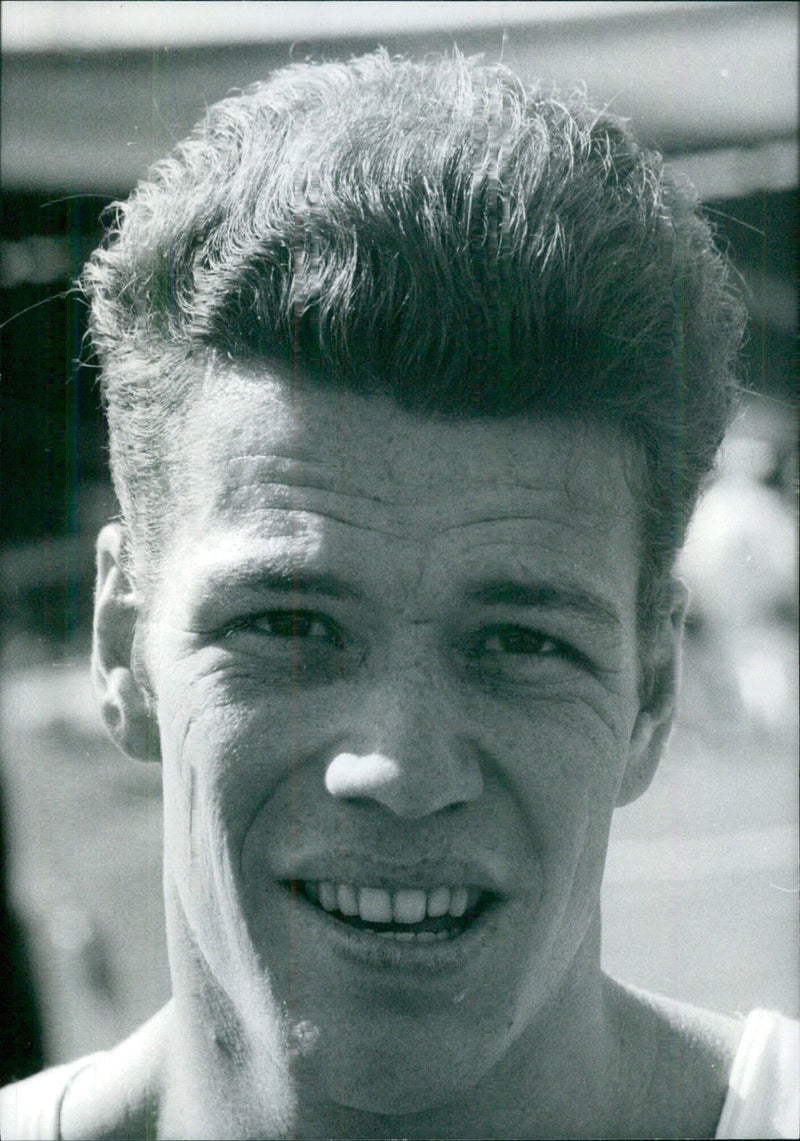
[519, 640]
[293, 619]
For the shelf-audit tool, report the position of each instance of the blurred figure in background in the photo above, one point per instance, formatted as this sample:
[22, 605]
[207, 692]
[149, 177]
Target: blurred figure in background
[740, 563]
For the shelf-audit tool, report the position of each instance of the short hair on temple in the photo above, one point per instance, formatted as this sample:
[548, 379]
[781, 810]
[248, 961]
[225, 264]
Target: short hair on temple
[436, 230]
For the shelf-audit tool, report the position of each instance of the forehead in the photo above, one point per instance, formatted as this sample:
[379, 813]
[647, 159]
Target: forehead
[269, 421]
[270, 457]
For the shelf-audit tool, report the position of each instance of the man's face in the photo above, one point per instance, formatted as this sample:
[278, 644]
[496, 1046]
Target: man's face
[394, 662]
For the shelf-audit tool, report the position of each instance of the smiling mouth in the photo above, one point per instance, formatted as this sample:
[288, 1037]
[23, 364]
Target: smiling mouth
[403, 914]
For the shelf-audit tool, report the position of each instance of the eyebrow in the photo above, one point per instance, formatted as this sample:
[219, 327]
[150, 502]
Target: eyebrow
[544, 596]
[302, 582]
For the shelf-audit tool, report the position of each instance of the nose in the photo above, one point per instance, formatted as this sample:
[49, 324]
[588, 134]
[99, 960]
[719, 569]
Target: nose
[414, 759]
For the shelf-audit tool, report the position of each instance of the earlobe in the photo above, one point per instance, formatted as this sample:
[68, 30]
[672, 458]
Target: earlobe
[654, 722]
[124, 705]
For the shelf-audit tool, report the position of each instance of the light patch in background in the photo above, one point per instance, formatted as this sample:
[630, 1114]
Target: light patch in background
[732, 172]
[58, 25]
[36, 260]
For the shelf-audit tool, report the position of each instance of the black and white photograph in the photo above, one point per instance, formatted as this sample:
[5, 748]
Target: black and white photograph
[399, 570]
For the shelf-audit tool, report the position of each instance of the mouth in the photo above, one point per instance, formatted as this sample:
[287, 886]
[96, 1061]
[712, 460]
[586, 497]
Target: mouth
[411, 915]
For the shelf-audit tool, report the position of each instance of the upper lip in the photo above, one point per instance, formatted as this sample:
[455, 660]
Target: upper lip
[378, 871]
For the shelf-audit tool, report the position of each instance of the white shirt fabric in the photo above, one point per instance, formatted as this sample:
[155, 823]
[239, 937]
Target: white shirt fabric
[30, 1110]
[763, 1098]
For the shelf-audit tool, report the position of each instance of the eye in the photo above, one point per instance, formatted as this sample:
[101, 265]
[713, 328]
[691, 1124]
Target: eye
[522, 655]
[295, 625]
[520, 640]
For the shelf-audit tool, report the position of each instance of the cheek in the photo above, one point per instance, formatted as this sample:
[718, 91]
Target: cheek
[228, 741]
[558, 745]
[219, 765]
[562, 760]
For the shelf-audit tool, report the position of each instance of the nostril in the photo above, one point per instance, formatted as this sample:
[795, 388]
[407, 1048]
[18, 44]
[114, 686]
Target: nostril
[354, 775]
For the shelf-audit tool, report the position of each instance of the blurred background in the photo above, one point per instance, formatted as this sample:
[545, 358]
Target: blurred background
[701, 896]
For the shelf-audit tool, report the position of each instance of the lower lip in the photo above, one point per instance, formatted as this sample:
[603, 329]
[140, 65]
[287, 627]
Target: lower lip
[385, 953]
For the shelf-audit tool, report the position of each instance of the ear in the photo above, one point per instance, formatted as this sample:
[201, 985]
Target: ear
[654, 723]
[125, 705]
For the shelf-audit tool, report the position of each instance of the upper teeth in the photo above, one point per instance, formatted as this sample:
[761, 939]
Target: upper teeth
[403, 905]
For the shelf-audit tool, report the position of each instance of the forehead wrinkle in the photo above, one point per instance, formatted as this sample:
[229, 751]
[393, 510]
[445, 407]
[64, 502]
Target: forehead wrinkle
[324, 485]
[285, 501]
[293, 474]
[482, 521]
[443, 504]
[532, 533]
[309, 516]
[282, 498]
[328, 515]
[294, 487]
[406, 528]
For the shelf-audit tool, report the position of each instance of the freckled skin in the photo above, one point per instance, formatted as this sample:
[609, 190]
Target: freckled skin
[464, 724]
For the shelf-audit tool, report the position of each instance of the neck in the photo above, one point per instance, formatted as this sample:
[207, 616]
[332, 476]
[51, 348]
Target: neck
[227, 1064]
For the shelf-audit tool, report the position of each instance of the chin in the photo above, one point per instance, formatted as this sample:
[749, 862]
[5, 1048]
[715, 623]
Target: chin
[404, 1071]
